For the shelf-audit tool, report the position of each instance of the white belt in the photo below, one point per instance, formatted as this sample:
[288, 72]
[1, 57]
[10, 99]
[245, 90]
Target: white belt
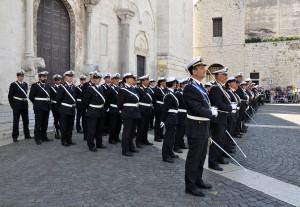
[131, 104]
[173, 111]
[53, 101]
[97, 106]
[145, 104]
[68, 105]
[226, 112]
[182, 110]
[159, 102]
[78, 99]
[113, 105]
[197, 118]
[41, 99]
[243, 100]
[20, 99]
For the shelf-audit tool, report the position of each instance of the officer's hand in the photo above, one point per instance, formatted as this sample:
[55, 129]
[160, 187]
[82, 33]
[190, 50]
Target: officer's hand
[162, 124]
[107, 110]
[234, 106]
[214, 112]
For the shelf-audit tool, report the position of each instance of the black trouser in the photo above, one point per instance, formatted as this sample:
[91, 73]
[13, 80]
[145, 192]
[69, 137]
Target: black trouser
[41, 125]
[218, 135]
[16, 118]
[194, 162]
[80, 116]
[158, 134]
[142, 130]
[56, 118]
[85, 130]
[66, 124]
[107, 123]
[129, 127]
[115, 127]
[151, 121]
[180, 131]
[168, 144]
[94, 130]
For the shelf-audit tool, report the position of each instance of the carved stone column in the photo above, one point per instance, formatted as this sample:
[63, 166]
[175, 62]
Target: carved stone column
[29, 29]
[125, 15]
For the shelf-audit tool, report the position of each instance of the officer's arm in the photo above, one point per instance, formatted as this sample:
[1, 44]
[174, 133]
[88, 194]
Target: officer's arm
[87, 98]
[32, 93]
[11, 93]
[194, 103]
[120, 99]
[60, 95]
[167, 105]
[215, 96]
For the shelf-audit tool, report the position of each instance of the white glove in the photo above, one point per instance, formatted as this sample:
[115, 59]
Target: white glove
[238, 108]
[107, 110]
[162, 124]
[247, 108]
[234, 106]
[120, 111]
[214, 112]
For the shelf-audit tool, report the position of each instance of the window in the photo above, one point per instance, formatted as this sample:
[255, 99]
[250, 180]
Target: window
[254, 75]
[217, 27]
[141, 60]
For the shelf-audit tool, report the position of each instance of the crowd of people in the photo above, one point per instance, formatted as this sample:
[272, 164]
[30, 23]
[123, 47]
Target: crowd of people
[174, 108]
[283, 95]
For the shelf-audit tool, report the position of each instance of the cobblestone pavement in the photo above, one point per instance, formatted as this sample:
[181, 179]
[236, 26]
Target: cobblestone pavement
[52, 175]
[274, 151]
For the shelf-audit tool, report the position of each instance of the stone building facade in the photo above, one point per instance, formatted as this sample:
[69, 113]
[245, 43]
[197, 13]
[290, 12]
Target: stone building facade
[140, 36]
[270, 63]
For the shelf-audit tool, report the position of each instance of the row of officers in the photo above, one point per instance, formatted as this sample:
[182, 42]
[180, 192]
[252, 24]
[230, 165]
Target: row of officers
[179, 108]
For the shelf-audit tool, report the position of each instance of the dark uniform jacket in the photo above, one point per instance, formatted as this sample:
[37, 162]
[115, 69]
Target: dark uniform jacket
[220, 99]
[181, 108]
[66, 99]
[40, 90]
[151, 92]
[79, 96]
[197, 106]
[105, 88]
[94, 100]
[171, 104]
[128, 95]
[233, 98]
[53, 93]
[18, 90]
[145, 100]
[111, 97]
[158, 99]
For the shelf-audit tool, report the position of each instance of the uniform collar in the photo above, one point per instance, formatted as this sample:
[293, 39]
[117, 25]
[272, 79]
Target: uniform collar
[129, 86]
[171, 89]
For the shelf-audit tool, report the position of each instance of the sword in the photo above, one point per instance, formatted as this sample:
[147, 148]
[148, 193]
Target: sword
[250, 117]
[228, 154]
[236, 144]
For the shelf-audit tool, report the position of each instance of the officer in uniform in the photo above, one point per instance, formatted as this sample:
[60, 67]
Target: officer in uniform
[180, 129]
[40, 97]
[169, 118]
[145, 106]
[94, 101]
[115, 115]
[197, 127]
[17, 97]
[79, 106]
[53, 91]
[127, 101]
[66, 103]
[220, 99]
[105, 86]
[243, 97]
[159, 94]
[151, 90]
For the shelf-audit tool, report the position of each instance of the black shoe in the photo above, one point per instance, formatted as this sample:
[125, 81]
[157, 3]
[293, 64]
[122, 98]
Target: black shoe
[178, 150]
[204, 185]
[147, 143]
[174, 156]
[238, 136]
[118, 140]
[184, 147]
[65, 144]
[128, 154]
[139, 146]
[223, 162]
[28, 137]
[112, 142]
[47, 140]
[56, 136]
[196, 192]
[134, 150]
[102, 146]
[158, 140]
[244, 131]
[217, 167]
[38, 142]
[15, 140]
[231, 151]
[73, 143]
[169, 160]
[93, 149]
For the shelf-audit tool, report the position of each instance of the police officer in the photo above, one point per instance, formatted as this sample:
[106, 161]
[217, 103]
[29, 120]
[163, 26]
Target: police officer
[115, 115]
[169, 119]
[159, 94]
[145, 106]
[66, 102]
[197, 127]
[105, 86]
[40, 97]
[94, 101]
[220, 99]
[180, 129]
[53, 91]
[17, 97]
[127, 101]
[243, 96]
[79, 106]
[151, 90]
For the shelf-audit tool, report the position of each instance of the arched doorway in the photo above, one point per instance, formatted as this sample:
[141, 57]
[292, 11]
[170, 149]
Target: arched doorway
[53, 36]
[212, 68]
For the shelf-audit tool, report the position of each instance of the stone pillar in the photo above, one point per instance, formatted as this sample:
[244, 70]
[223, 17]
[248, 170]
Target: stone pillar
[125, 15]
[29, 29]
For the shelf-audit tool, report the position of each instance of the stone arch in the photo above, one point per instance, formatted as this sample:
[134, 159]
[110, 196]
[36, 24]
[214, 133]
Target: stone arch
[133, 7]
[147, 19]
[73, 30]
[212, 68]
[141, 42]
